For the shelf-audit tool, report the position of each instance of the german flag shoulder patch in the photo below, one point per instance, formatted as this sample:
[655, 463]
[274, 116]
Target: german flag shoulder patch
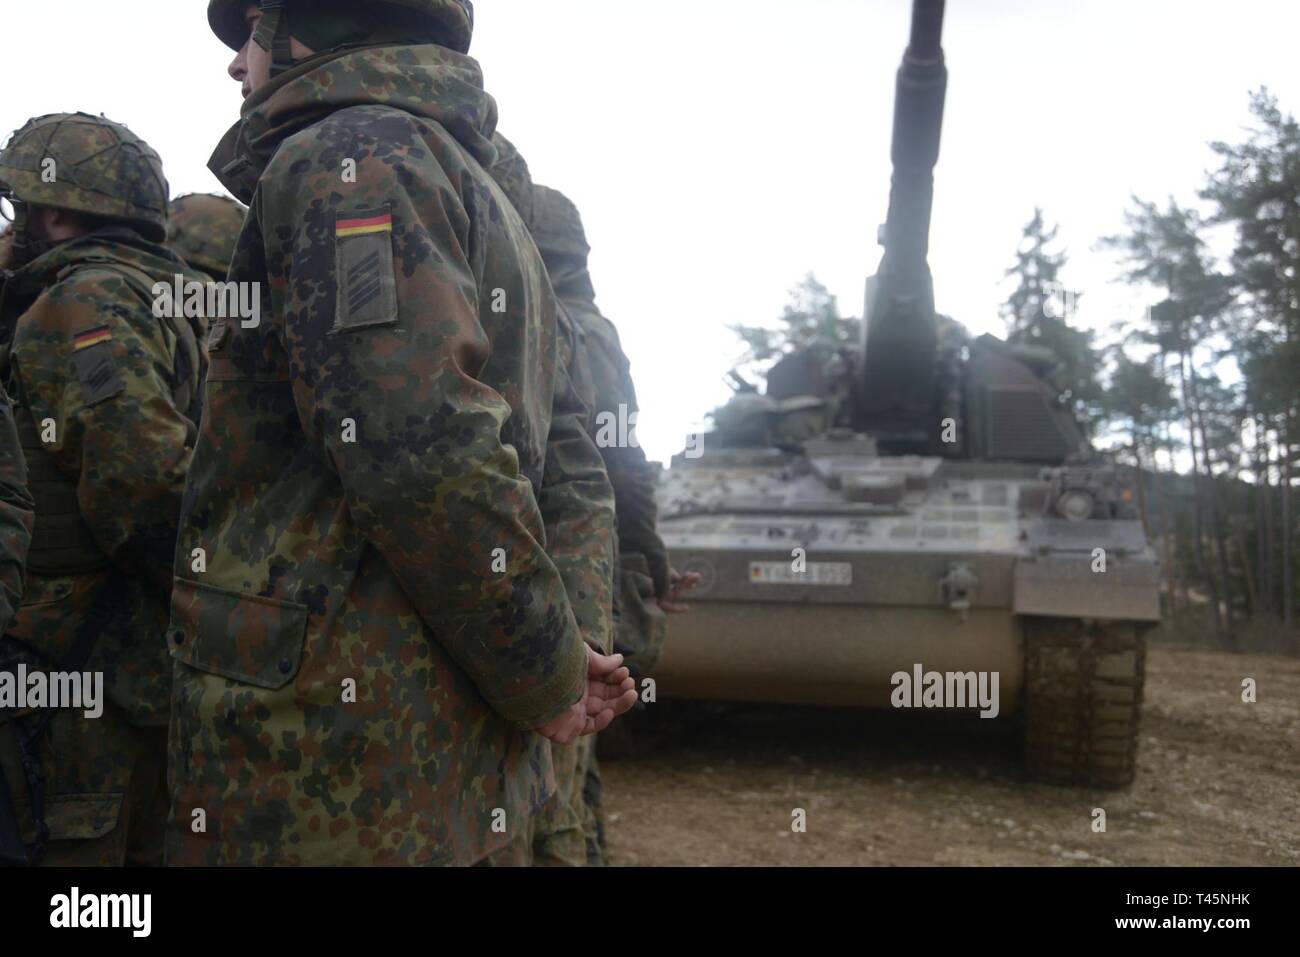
[364, 225]
[365, 281]
[91, 337]
[92, 358]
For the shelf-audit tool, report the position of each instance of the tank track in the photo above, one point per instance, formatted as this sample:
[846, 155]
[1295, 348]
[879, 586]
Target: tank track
[1083, 700]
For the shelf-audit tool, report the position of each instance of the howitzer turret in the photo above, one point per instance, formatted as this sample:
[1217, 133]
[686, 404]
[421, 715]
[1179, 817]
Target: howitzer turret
[894, 394]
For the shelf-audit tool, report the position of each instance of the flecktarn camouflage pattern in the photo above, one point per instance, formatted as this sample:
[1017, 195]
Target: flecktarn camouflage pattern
[580, 539]
[16, 521]
[105, 395]
[643, 559]
[16, 514]
[378, 624]
[202, 229]
[641, 571]
[511, 172]
[91, 165]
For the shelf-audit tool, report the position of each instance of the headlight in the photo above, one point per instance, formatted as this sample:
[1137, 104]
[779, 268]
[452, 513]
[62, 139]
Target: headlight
[1075, 505]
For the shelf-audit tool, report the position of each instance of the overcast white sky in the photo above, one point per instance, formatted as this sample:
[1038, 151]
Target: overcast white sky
[721, 149]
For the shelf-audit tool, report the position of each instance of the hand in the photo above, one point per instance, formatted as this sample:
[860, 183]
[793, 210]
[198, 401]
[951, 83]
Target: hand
[609, 692]
[679, 583]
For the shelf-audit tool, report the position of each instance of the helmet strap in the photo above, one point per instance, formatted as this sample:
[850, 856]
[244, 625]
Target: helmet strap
[272, 35]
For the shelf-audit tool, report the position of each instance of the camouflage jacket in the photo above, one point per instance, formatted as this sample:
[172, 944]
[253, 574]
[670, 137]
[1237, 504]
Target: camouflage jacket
[563, 245]
[629, 471]
[577, 500]
[16, 511]
[377, 622]
[105, 396]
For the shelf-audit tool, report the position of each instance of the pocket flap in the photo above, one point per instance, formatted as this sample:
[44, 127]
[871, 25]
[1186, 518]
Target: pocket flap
[82, 817]
[247, 638]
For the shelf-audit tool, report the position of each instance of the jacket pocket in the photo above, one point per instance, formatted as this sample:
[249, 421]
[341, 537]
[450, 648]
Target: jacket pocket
[83, 817]
[248, 638]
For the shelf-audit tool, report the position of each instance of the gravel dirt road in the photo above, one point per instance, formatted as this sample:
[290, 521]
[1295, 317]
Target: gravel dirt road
[1218, 783]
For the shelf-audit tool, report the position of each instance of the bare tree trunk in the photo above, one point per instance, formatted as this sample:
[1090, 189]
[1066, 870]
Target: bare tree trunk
[1141, 486]
[1252, 595]
[1154, 444]
[1202, 567]
[1216, 512]
[1170, 519]
[1170, 534]
[1288, 534]
[1264, 508]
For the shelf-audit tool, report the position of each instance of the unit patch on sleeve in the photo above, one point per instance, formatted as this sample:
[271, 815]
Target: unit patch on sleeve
[92, 358]
[363, 264]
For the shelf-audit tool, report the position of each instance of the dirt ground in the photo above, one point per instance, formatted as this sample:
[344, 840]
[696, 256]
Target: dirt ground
[1218, 783]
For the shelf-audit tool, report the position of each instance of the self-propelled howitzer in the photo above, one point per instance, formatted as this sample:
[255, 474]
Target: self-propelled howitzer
[926, 505]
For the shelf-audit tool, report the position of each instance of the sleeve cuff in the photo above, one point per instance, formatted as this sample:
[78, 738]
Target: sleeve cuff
[553, 697]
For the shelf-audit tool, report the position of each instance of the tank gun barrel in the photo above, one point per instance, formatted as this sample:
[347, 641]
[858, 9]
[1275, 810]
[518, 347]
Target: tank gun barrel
[918, 121]
[895, 389]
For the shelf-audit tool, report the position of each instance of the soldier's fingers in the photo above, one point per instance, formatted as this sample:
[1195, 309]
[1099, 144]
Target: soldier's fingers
[601, 665]
[570, 731]
[623, 703]
[685, 583]
[606, 692]
[617, 677]
[599, 722]
[601, 700]
[564, 721]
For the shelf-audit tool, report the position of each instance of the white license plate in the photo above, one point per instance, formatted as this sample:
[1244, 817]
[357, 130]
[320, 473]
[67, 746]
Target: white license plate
[814, 573]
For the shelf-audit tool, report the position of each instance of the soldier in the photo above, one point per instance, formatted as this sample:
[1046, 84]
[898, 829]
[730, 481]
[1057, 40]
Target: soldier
[377, 646]
[16, 507]
[585, 558]
[106, 388]
[202, 229]
[645, 585]
[16, 515]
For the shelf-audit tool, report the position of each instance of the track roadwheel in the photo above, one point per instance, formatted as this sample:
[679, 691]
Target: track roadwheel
[1083, 690]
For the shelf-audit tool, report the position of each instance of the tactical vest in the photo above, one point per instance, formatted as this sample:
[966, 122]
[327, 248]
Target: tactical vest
[62, 542]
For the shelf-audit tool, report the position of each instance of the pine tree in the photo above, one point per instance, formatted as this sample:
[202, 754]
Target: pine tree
[1164, 250]
[810, 320]
[1038, 313]
[1257, 189]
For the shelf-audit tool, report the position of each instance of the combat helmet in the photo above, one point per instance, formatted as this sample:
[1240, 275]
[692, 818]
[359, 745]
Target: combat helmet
[202, 229]
[325, 27]
[87, 164]
[557, 229]
[557, 225]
